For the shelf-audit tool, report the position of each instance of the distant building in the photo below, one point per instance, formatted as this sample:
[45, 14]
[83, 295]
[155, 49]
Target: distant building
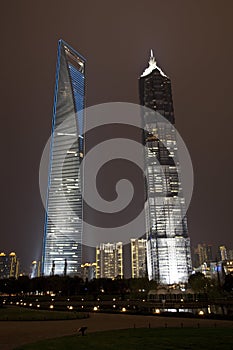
[228, 267]
[109, 260]
[35, 269]
[203, 254]
[223, 253]
[14, 265]
[163, 294]
[138, 257]
[205, 269]
[230, 254]
[4, 271]
[88, 271]
[220, 269]
[9, 265]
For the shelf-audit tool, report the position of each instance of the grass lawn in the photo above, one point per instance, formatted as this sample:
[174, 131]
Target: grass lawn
[135, 339]
[14, 313]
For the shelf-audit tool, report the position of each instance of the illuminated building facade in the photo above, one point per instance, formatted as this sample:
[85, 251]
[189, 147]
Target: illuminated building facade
[88, 271]
[35, 269]
[223, 253]
[220, 269]
[62, 250]
[9, 265]
[202, 254]
[109, 260]
[138, 257]
[168, 245]
[4, 266]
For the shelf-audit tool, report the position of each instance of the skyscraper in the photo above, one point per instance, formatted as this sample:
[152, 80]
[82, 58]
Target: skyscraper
[138, 257]
[62, 251]
[35, 269]
[203, 253]
[109, 260]
[223, 253]
[4, 266]
[9, 265]
[168, 245]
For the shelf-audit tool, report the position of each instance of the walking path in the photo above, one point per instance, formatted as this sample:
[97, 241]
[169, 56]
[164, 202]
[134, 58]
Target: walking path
[13, 334]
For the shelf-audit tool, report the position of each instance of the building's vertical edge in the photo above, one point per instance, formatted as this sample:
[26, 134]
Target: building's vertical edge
[51, 152]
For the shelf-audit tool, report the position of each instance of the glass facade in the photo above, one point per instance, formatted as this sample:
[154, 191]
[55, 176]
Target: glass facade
[168, 245]
[62, 248]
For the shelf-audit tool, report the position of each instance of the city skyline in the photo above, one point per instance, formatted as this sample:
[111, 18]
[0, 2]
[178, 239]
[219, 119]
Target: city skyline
[203, 258]
[189, 59]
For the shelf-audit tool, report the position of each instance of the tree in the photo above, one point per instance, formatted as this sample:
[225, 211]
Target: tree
[199, 283]
[228, 284]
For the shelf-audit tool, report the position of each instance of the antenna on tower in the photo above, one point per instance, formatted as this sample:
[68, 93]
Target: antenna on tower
[152, 58]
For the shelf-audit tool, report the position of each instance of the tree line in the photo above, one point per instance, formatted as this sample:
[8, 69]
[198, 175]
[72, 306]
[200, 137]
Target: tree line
[135, 288]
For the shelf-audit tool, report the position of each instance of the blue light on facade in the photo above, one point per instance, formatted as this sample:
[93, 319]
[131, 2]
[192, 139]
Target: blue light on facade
[62, 246]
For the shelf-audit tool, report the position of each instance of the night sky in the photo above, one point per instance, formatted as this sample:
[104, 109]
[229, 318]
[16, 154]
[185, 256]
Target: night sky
[192, 42]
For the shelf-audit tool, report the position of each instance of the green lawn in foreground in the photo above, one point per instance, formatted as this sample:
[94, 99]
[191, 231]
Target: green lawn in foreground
[135, 339]
[14, 313]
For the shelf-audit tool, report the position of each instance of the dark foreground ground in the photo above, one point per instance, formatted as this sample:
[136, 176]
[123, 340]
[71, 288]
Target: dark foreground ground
[15, 334]
[141, 338]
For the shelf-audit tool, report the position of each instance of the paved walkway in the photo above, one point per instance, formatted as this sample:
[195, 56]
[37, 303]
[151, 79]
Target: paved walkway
[13, 334]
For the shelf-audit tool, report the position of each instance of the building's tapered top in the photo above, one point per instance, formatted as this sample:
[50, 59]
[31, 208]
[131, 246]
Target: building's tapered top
[152, 66]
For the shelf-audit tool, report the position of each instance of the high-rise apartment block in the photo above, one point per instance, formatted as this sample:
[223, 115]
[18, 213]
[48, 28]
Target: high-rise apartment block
[223, 253]
[109, 260]
[138, 257]
[9, 265]
[203, 253]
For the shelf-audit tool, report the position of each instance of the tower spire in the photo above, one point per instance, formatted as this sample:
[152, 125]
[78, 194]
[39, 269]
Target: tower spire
[152, 65]
[152, 58]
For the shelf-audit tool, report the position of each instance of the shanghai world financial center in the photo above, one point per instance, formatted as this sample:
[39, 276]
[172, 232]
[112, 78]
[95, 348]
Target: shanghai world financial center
[62, 247]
